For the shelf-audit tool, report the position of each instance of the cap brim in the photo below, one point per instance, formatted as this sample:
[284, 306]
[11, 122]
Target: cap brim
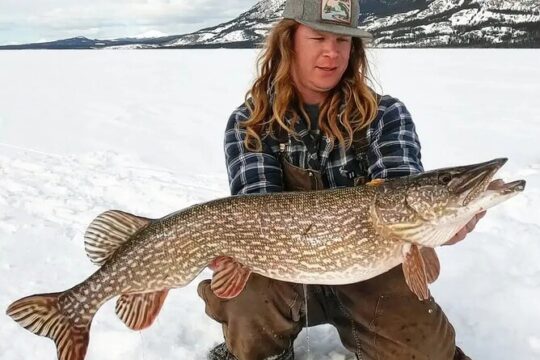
[338, 29]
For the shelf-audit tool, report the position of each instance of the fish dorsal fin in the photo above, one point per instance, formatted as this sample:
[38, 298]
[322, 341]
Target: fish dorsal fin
[108, 232]
[138, 311]
[230, 277]
[415, 272]
[432, 264]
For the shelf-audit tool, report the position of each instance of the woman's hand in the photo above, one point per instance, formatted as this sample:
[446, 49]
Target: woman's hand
[461, 234]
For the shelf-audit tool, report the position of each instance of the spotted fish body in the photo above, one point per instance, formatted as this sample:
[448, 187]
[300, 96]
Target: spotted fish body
[335, 236]
[282, 236]
[275, 235]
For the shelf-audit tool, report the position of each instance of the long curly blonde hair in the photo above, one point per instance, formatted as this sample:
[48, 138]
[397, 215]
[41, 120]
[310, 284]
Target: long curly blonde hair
[273, 98]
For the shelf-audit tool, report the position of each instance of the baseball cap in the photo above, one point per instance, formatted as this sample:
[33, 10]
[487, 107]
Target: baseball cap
[333, 16]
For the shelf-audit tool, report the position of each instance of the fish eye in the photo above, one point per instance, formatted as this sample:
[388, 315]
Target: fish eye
[445, 178]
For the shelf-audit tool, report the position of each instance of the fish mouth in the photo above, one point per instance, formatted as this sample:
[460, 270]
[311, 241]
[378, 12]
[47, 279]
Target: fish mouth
[501, 188]
[472, 181]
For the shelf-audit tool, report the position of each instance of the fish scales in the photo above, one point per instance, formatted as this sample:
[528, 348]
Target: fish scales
[331, 237]
[318, 226]
[171, 251]
[335, 225]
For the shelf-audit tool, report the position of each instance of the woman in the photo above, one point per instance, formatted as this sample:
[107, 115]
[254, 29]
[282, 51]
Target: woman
[311, 122]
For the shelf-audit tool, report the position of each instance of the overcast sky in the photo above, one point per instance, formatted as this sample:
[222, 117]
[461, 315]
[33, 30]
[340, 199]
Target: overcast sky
[24, 21]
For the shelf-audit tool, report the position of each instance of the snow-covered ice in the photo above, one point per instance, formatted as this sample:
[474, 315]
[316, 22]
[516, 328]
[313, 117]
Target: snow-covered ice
[142, 131]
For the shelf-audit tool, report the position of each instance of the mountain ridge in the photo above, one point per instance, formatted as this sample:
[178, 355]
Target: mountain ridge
[394, 23]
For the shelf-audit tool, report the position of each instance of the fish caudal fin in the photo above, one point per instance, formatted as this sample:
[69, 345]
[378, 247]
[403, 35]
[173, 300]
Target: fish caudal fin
[414, 270]
[230, 277]
[41, 315]
[138, 311]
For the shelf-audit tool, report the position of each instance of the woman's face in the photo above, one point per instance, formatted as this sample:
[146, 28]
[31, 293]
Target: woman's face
[320, 60]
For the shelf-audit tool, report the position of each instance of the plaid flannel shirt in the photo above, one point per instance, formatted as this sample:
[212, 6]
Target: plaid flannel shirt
[393, 151]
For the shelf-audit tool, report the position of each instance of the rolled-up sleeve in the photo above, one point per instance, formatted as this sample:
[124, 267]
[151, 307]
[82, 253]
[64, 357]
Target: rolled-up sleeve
[394, 145]
[249, 172]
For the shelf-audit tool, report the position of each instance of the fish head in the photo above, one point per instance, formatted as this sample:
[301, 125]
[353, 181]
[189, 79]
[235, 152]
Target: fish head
[429, 208]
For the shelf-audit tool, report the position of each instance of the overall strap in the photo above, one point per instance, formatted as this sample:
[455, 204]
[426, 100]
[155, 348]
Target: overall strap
[360, 146]
[282, 137]
[294, 177]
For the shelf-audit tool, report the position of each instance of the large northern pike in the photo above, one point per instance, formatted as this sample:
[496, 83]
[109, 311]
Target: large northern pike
[333, 236]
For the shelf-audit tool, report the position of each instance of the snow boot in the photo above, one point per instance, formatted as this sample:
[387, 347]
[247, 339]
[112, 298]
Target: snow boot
[221, 352]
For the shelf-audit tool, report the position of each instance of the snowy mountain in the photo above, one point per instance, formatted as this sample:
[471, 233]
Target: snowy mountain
[82, 42]
[394, 23]
[401, 23]
[478, 23]
[247, 30]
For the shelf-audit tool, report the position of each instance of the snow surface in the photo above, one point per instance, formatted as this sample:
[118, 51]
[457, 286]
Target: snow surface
[86, 131]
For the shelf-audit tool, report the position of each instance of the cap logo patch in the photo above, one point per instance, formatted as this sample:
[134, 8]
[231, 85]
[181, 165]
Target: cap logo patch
[336, 11]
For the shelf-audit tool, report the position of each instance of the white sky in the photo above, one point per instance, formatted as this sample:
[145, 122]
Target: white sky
[24, 21]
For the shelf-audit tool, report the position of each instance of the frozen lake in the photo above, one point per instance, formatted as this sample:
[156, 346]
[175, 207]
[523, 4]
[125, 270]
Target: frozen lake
[142, 131]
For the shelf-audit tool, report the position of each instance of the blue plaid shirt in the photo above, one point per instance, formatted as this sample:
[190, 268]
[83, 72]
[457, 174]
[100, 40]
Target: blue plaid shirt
[393, 151]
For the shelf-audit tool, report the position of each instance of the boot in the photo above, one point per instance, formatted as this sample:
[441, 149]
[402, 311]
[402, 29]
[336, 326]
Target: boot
[460, 355]
[221, 352]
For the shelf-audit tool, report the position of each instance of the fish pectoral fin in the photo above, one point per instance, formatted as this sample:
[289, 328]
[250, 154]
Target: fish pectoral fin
[42, 315]
[230, 277]
[375, 182]
[138, 311]
[415, 272]
[108, 232]
[432, 264]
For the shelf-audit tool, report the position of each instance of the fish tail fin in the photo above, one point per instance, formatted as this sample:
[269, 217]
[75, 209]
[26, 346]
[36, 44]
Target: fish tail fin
[42, 315]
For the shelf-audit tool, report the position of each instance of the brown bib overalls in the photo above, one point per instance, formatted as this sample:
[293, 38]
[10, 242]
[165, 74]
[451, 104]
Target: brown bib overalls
[377, 319]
